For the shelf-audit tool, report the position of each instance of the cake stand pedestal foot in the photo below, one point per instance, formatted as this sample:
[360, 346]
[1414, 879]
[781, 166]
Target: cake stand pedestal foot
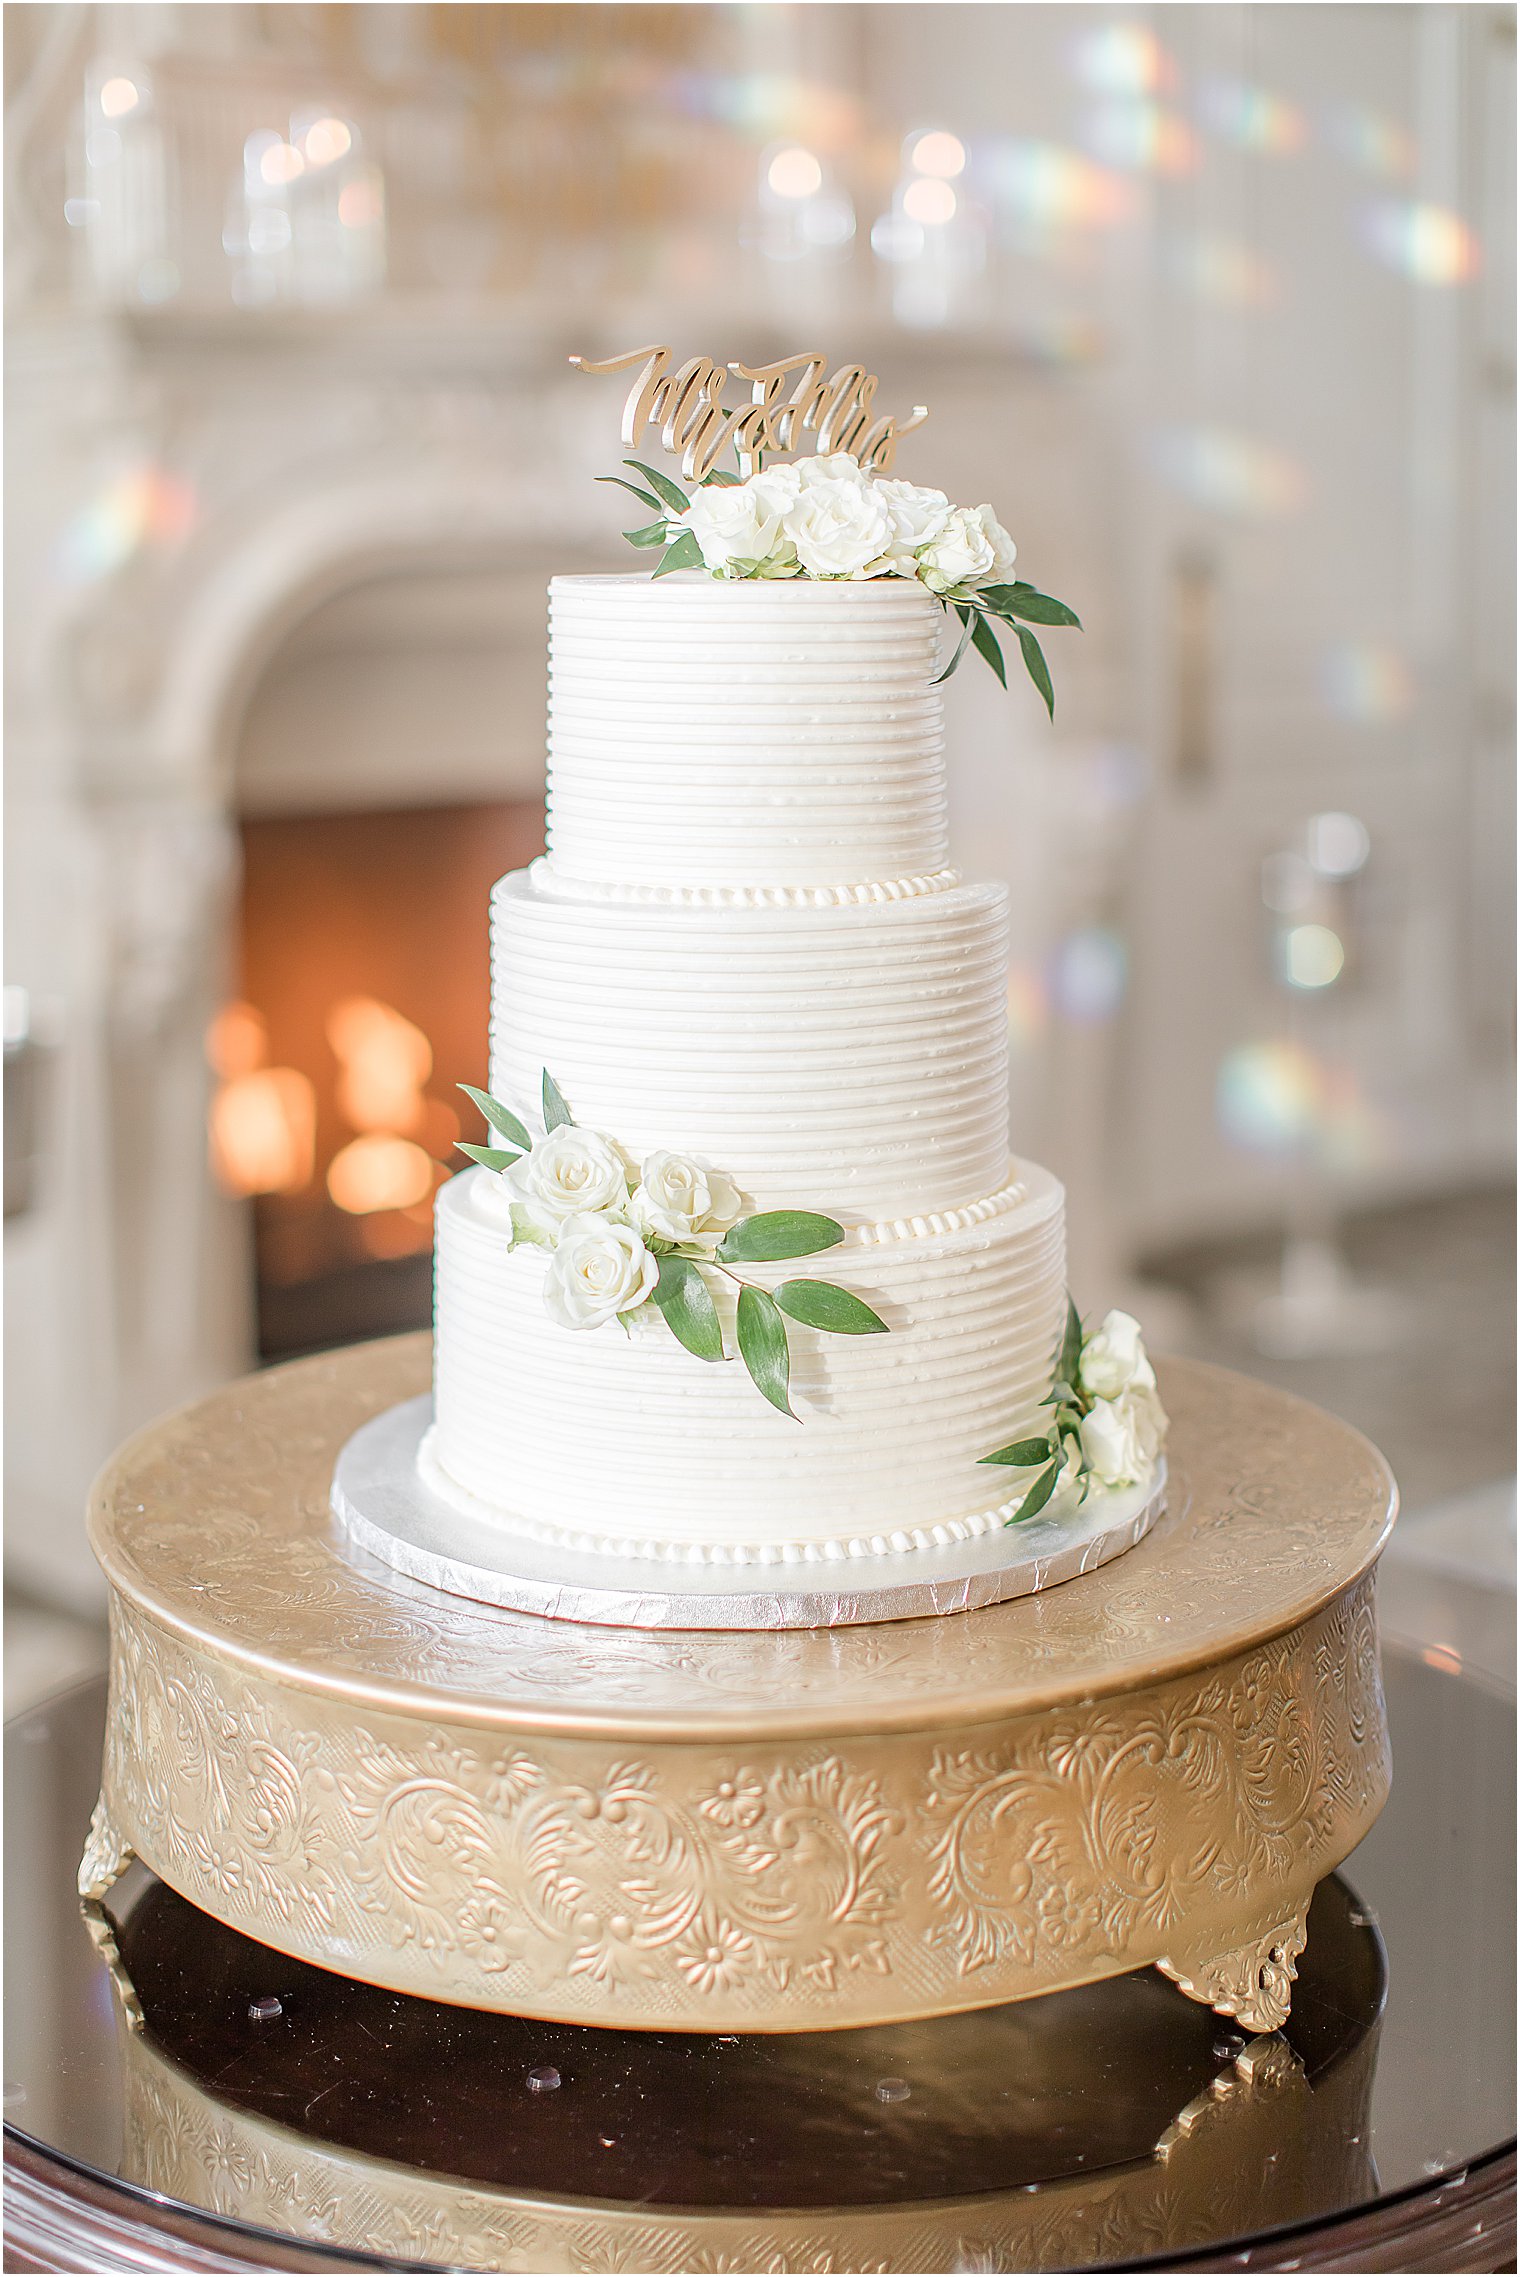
[1253, 1983]
[107, 1855]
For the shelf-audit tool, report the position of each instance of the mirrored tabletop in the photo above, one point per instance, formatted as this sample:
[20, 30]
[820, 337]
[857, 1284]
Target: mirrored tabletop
[170, 2077]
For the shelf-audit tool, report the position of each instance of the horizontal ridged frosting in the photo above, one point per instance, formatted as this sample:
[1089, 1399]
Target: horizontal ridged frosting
[847, 1058]
[715, 733]
[632, 1445]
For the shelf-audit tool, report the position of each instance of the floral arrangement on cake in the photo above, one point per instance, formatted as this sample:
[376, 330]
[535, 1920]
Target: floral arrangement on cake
[623, 1238]
[1107, 1425]
[825, 517]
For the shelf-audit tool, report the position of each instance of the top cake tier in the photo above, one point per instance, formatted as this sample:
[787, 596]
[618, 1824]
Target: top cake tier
[708, 735]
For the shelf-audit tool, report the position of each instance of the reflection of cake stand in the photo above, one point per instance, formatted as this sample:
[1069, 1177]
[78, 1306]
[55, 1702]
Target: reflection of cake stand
[1102, 2124]
[745, 1832]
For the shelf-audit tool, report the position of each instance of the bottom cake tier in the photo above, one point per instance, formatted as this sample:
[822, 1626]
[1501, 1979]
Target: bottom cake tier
[631, 1445]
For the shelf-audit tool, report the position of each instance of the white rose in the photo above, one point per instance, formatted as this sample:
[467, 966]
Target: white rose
[1121, 1438]
[735, 524]
[779, 484]
[1114, 1359]
[569, 1170]
[958, 555]
[918, 515]
[1004, 552]
[839, 529]
[682, 1198]
[832, 466]
[1111, 1443]
[599, 1269]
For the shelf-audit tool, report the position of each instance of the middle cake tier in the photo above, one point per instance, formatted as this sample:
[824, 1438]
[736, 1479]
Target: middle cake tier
[827, 1053]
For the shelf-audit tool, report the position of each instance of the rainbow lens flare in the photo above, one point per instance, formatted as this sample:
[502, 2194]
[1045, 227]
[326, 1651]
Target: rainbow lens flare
[1428, 243]
[1365, 682]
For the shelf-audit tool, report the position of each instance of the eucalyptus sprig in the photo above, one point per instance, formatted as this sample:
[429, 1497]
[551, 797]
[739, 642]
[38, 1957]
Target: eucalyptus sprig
[1020, 606]
[680, 1290]
[1049, 1451]
[669, 501]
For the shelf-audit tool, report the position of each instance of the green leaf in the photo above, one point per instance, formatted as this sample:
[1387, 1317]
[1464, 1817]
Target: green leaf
[499, 1117]
[967, 619]
[645, 497]
[685, 553]
[555, 1110]
[668, 492]
[1070, 1361]
[818, 1304]
[1039, 1494]
[1022, 1455]
[493, 1157]
[1059, 1394]
[1038, 670]
[721, 478]
[684, 1298]
[762, 1346]
[1026, 601]
[984, 640]
[653, 535]
[779, 1233]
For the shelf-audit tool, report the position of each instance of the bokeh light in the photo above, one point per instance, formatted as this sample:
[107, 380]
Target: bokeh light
[1428, 243]
[1276, 1098]
[1376, 144]
[279, 163]
[1051, 188]
[237, 1040]
[1366, 682]
[1088, 971]
[144, 506]
[384, 1062]
[1143, 138]
[938, 154]
[378, 1171]
[1124, 59]
[1231, 473]
[1265, 1097]
[794, 173]
[264, 1131]
[1339, 844]
[1028, 1008]
[361, 203]
[929, 202]
[325, 141]
[119, 97]
[1313, 956]
[1252, 118]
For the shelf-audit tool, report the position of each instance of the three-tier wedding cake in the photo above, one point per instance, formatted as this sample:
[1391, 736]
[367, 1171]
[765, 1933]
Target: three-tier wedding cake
[746, 1015]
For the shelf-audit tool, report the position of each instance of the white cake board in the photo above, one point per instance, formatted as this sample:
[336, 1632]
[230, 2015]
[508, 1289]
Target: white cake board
[385, 1508]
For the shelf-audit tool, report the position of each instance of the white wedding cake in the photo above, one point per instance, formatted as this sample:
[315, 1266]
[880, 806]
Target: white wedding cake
[746, 1014]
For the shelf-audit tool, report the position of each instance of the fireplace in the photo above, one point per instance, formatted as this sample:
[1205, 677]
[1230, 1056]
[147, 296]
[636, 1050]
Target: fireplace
[363, 999]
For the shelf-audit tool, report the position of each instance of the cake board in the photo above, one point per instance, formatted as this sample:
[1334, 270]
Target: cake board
[387, 1509]
[1154, 1764]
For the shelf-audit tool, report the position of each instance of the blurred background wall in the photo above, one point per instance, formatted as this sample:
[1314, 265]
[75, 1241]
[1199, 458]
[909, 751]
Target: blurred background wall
[1215, 304]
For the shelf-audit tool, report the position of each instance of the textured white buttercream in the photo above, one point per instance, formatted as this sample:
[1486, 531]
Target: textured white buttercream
[847, 1058]
[631, 1445]
[746, 942]
[717, 734]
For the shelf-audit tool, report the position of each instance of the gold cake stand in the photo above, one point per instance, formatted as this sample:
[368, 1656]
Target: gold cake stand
[1152, 1764]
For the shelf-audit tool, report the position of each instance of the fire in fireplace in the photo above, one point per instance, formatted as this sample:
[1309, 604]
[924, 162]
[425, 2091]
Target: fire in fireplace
[364, 1001]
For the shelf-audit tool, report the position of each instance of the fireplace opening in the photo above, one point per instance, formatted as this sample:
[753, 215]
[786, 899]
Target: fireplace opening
[363, 1002]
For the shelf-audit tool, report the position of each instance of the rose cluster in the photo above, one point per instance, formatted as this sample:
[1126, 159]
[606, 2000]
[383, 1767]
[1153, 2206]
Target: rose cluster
[825, 517]
[575, 1194]
[1124, 1428]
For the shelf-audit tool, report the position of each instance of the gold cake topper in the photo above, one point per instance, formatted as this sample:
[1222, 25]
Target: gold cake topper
[686, 405]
